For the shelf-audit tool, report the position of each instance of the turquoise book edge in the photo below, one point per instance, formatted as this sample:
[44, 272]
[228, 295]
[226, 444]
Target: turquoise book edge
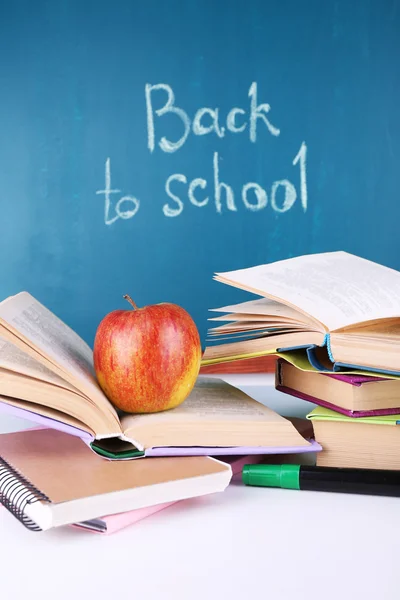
[336, 367]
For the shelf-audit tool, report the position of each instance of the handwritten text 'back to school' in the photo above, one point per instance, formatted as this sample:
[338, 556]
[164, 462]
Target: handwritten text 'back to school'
[160, 101]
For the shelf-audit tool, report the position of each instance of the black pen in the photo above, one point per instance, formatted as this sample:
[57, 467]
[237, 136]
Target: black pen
[325, 479]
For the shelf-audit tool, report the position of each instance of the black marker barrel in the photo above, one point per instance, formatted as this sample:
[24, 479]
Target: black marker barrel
[324, 479]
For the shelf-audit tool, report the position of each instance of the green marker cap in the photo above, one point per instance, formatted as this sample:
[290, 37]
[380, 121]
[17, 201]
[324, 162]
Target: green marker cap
[284, 476]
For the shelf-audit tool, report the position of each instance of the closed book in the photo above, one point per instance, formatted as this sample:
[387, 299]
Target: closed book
[363, 443]
[49, 478]
[352, 395]
[110, 524]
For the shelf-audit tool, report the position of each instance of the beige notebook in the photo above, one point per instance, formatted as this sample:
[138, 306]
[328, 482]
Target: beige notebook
[49, 478]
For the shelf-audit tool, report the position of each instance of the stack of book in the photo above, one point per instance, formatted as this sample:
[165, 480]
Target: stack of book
[86, 464]
[356, 417]
[333, 320]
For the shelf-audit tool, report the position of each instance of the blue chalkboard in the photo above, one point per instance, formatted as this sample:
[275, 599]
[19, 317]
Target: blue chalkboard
[122, 124]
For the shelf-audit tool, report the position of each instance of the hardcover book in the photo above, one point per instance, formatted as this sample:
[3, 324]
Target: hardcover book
[342, 309]
[352, 395]
[364, 443]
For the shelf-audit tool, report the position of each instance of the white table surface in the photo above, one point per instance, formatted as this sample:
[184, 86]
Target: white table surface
[245, 543]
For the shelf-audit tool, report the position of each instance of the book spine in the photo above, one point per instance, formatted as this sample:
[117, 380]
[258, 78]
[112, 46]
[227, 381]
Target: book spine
[16, 492]
[328, 347]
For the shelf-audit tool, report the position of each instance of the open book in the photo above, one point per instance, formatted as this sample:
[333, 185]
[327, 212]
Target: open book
[47, 376]
[344, 310]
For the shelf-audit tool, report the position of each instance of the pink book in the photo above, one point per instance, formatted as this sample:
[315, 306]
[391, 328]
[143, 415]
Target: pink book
[112, 523]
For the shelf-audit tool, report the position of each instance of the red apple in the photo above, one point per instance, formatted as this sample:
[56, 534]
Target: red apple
[147, 359]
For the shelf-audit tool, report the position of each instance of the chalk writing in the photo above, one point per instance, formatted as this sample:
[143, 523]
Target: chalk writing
[108, 191]
[198, 126]
[160, 102]
[254, 197]
[301, 156]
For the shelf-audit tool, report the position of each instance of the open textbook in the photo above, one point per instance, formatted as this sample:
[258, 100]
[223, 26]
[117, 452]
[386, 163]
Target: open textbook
[47, 376]
[344, 310]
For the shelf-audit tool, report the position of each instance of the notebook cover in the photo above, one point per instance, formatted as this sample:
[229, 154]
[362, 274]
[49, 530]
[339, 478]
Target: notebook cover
[114, 523]
[35, 459]
[350, 413]
[117, 522]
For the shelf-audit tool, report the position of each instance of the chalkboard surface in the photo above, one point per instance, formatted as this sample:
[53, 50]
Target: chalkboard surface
[145, 145]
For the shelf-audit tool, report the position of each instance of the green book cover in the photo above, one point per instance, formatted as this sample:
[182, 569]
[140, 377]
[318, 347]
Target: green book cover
[325, 414]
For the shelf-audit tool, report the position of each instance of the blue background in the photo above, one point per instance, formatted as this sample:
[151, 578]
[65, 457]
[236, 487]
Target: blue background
[72, 81]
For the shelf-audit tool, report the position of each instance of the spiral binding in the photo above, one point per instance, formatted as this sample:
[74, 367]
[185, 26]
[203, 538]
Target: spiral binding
[16, 492]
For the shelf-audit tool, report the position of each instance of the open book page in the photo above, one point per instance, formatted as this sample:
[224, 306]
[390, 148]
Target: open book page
[237, 319]
[45, 416]
[38, 327]
[210, 400]
[14, 359]
[214, 414]
[264, 307]
[336, 288]
[39, 392]
[258, 346]
[242, 326]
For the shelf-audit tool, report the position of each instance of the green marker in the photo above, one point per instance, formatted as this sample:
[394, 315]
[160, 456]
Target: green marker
[324, 479]
[283, 476]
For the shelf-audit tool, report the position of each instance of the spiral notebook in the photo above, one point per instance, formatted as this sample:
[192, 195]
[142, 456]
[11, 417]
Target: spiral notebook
[49, 478]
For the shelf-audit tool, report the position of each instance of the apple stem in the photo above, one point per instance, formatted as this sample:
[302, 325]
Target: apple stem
[135, 306]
